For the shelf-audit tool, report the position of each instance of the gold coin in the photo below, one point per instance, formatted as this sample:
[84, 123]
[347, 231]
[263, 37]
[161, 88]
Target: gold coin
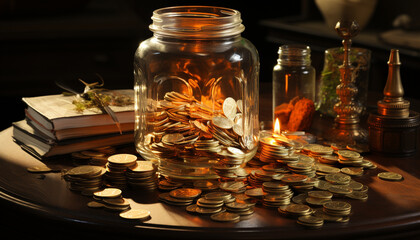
[122, 158]
[39, 169]
[254, 192]
[390, 176]
[185, 193]
[348, 154]
[172, 138]
[311, 220]
[358, 195]
[298, 208]
[95, 204]
[142, 166]
[222, 122]
[135, 213]
[229, 108]
[108, 193]
[320, 194]
[225, 217]
[84, 170]
[352, 171]
[337, 206]
[338, 178]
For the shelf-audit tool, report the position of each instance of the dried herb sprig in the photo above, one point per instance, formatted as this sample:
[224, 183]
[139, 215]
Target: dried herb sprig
[94, 96]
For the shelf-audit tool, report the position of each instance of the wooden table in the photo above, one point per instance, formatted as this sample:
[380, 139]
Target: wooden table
[35, 201]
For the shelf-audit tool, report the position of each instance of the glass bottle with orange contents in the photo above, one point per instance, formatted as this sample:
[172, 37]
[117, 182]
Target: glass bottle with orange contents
[196, 92]
[294, 88]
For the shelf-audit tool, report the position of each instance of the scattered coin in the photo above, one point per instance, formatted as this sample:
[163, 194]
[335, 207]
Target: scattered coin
[390, 176]
[135, 213]
[108, 193]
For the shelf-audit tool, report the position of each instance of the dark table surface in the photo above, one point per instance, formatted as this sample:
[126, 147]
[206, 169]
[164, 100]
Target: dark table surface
[40, 206]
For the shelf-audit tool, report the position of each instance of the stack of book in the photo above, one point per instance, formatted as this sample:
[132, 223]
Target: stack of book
[53, 126]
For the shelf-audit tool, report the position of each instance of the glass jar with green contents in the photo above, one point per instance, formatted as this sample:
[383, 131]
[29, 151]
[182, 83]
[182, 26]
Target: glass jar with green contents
[330, 78]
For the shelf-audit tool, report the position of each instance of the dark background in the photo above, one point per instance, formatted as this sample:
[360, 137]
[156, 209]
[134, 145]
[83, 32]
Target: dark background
[44, 41]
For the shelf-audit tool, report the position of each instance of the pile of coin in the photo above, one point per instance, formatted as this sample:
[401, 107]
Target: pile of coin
[337, 208]
[242, 209]
[85, 178]
[116, 167]
[318, 198]
[310, 221]
[276, 194]
[185, 130]
[142, 176]
[112, 199]
[278, 148]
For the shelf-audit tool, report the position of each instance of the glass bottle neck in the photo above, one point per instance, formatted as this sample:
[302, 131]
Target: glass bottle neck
[294, 55]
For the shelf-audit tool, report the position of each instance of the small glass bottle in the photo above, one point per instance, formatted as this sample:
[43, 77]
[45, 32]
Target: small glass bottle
[293, 88]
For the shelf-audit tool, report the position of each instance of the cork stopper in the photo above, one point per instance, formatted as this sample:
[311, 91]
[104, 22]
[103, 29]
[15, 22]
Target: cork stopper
[393, 104]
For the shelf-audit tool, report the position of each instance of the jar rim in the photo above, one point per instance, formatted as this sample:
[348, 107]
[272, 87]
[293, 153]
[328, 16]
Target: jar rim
[196, 22]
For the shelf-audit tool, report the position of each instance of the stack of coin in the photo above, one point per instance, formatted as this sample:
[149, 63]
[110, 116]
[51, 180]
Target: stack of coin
[303, 168]
[317, 150]
[225, 217]
[142, 175]
[295, 210]
[337, 208]
[278, 148]
[85, 178]
[224, 196]
[318, 198]
[180, 196]
[242, 209]
[275, 200]
[116, 167]
[310, 221]
[348, 157]
[110, 198]
[257, 177]
[206, 206]
[255, 193]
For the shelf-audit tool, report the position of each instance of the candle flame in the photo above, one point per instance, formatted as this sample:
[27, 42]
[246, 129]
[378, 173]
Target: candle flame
[277, 129]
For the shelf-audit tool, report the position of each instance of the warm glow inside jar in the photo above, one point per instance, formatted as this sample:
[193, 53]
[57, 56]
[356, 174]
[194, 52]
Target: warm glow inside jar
[196, 88]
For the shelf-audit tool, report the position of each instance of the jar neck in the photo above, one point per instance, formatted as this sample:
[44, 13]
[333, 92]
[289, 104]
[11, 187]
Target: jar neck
[196, 22]
[294, 55]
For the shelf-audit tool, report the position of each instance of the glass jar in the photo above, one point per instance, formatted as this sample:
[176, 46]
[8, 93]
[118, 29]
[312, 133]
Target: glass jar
[330, 78]
[196, 92]
[294, 88]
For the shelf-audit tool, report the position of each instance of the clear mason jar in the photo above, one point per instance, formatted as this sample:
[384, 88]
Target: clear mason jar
[196, 92]
[294, 88]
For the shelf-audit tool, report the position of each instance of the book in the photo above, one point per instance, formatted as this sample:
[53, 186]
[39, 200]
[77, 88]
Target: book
[57, 112]
[69, 133]
[42, 146]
